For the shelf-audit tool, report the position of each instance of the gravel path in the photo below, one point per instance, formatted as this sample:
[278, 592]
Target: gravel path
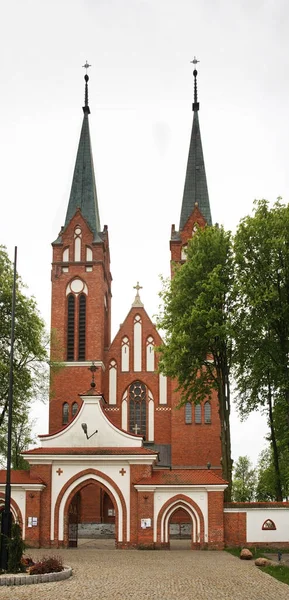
[101, 573]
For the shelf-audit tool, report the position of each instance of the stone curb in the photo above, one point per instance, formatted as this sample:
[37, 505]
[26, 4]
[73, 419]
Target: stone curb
[31, 579]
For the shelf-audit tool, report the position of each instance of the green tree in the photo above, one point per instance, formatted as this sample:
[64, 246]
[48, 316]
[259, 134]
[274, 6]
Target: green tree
[266, 476]
[30, 373]
[261, 352]
[196, 319]
[244, 480]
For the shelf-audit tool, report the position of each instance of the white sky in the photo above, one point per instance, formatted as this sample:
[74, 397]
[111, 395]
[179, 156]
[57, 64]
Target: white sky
[140, 96]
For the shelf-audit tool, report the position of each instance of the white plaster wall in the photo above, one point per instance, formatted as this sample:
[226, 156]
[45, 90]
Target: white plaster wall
[71, 469]
[162, 389]
[256, 518]
[91, 413]
[199, 497]
[19, 496]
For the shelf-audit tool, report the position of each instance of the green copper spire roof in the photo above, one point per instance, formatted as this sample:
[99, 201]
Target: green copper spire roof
[195, 190]
[83, 190]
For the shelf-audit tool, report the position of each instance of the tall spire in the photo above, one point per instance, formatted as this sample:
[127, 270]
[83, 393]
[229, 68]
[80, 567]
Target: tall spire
[195, 189]
[83, 190]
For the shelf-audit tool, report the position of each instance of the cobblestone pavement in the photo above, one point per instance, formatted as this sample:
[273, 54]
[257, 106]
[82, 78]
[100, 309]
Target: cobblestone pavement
[101, 573]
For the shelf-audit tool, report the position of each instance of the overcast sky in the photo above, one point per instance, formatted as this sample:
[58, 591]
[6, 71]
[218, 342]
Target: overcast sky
[140, 96]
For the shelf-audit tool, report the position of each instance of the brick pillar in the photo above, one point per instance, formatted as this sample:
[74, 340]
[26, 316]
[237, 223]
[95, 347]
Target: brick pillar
[32, 532]
[138, 472]
[216, 520]
[145, 511]
[44, 473]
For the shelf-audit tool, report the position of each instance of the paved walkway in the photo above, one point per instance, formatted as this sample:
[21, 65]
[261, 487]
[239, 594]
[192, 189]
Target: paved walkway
[105, 574]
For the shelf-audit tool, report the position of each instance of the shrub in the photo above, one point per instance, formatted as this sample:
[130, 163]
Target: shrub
[52, 564]
[15, 547]
[27, 561]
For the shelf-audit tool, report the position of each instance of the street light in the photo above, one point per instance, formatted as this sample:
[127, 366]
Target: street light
[6, 514]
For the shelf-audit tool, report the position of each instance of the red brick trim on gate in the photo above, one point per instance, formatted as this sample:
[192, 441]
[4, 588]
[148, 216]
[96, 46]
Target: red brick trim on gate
[15, 506]
[184, 501]
[77, 488]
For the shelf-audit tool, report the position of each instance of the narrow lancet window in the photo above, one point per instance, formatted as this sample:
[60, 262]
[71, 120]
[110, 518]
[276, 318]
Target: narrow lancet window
[77, 244]
[74, 409]
[150, 355]
[70, 326]
[65, 413]
[137, 343]
[198, 413]
[188, 413]
[81, 327]
[65, 255]
[125, 354]
[112, 382]
[207, 410]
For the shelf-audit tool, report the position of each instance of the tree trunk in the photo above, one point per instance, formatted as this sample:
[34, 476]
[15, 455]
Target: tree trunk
[278, 484]
[224, 413]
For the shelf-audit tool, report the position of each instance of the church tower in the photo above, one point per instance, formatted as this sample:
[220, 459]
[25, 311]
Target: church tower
[195, 209]
[195, 429]
[81, 290]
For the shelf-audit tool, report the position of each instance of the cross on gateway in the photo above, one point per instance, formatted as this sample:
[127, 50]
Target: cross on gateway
[136, 429]
[122, 471]
[59, 471]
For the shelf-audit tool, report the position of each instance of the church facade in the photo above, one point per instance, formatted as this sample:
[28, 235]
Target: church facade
[119, 455]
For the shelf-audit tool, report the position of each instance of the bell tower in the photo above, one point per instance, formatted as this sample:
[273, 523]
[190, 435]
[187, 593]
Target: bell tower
[81, 290]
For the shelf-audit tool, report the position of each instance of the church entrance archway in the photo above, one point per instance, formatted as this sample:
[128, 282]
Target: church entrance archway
[180, 529]
[90, 507]
[73, 520]
[183, 516]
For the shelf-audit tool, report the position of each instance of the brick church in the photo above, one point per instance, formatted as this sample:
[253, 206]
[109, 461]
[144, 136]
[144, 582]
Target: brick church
[119, 456]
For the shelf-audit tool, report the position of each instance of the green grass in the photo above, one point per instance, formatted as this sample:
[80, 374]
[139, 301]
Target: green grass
[280, 572]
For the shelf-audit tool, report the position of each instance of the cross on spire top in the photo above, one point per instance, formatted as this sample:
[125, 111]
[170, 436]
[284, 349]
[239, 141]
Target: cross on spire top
[86, 66]
[137, 300]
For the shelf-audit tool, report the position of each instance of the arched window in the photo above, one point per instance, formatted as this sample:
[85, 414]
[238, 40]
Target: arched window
[74, 409]
[112, 382]
[269, 524]
[188, 413]
[137, 408]
[70, 326]
[207, 410]
[150, 354]
[65, 413]
[125, 354]
[77, 243]
[81, 327]
[198, 413]
[88, 254]
[184, 252]
[65, 255]
[137, 350]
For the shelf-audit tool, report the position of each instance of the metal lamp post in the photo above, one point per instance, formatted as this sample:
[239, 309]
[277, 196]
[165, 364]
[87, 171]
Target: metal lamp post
[6, 514]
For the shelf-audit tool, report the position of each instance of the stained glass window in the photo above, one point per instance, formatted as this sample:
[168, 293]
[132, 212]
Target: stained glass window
[137, 408]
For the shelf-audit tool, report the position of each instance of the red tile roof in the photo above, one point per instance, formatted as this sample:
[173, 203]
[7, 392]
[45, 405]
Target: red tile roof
[91, 451]
[183, 477]
[19, 477]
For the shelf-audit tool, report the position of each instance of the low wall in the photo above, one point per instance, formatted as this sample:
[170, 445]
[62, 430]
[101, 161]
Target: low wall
[96, 530]
[256, 524]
